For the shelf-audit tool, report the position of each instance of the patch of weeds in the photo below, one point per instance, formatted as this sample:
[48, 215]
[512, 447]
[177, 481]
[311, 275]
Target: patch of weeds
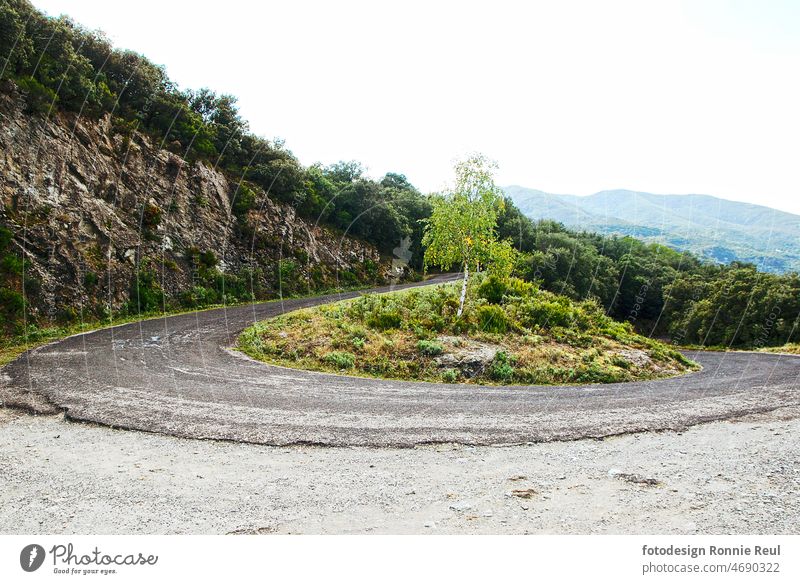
[502, 368]
[450, 375]
[429, 348]
[492, 319]
[341, 359]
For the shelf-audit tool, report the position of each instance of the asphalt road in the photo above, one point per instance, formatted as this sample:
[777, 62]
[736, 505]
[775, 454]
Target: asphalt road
[177, 376]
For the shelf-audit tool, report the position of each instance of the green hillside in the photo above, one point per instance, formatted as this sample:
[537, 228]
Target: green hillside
[714, 228]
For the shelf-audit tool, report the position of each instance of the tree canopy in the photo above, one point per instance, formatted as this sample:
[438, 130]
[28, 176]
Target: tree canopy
[462, 227]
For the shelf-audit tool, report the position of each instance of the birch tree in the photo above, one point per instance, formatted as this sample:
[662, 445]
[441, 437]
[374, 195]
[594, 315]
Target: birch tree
[461, 228]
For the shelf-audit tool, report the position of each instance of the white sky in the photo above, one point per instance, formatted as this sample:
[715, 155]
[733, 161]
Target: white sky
[569, 97]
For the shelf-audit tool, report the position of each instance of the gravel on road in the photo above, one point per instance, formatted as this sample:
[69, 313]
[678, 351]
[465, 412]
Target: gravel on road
[62, 477]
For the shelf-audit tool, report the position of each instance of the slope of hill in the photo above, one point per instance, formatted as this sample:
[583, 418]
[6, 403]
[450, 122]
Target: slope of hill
[717, 229]
[94, 221]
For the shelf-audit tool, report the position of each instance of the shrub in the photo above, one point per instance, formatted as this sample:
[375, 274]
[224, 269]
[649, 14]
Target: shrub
[492, 319]
[385, 320]
[66, 314]
[341, 359]
[11, 264]
[620, 362]
[502, 368]
[12, 302]
[429, 348]
[38, 97]
[208, 259]
[492, 289]
[520, 288]
[146, 294]
[151, 215]
[90, 280]
[5, 237]
[450, 375]
[595, 373]
[544, 312]
[199, 296]
[358, 342]
[244, 200]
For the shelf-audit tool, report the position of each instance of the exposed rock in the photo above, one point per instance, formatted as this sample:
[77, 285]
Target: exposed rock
[74, 193]
[468, 356]
[635, 357]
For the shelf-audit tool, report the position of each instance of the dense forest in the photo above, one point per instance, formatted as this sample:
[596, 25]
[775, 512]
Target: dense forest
[60, 65]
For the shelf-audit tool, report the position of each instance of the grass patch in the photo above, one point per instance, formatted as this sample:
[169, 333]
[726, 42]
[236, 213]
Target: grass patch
[793, 348]
[510, 333]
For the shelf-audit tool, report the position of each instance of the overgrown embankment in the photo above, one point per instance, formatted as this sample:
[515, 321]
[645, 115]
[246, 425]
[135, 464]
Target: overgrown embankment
[510, 333]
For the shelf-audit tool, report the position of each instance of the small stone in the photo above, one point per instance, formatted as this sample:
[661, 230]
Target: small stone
[461, 506]
[524, 493]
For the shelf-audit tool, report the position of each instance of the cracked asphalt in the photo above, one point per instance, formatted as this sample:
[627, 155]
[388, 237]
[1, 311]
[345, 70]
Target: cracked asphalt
[178, 376]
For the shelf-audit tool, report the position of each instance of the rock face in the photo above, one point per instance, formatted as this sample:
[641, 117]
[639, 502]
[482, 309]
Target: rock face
[89, 206]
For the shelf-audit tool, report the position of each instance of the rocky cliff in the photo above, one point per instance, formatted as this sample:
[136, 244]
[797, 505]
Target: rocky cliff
[106, 219]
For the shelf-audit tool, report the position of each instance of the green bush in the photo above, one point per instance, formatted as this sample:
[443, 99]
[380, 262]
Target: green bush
[151, 216]
[492, 289]
[450, 375]
[519, 288]
[492, 319]
[38, 97]
[146, 294]
[208, 259]
[385, 320]
[5, 237]
[544, 312]
[430, 348]
[199, 296]
[12, 302]
[11, 264]
[90, 279]
[244, 199]
[595, 373]
[502, 367]
[341, 359]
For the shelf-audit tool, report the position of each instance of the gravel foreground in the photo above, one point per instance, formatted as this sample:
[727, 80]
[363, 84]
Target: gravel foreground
[740, 476]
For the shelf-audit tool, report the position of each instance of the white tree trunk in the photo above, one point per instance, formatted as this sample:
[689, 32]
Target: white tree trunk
[463, 291]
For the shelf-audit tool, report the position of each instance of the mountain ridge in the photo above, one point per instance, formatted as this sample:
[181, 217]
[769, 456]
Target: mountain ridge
[715, 228]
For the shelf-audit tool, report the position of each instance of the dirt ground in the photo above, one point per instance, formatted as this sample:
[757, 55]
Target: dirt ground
[61, 477]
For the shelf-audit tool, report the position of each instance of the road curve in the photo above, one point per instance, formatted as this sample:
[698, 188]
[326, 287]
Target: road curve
[177, 375]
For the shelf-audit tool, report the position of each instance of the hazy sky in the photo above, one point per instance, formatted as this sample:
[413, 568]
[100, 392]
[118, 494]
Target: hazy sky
[569, 97]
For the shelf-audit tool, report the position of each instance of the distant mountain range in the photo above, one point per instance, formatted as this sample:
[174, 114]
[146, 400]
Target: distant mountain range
[717, 229]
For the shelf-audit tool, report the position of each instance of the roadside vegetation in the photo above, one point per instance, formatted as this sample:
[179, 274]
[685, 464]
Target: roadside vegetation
[510, 332]
[793, 348]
